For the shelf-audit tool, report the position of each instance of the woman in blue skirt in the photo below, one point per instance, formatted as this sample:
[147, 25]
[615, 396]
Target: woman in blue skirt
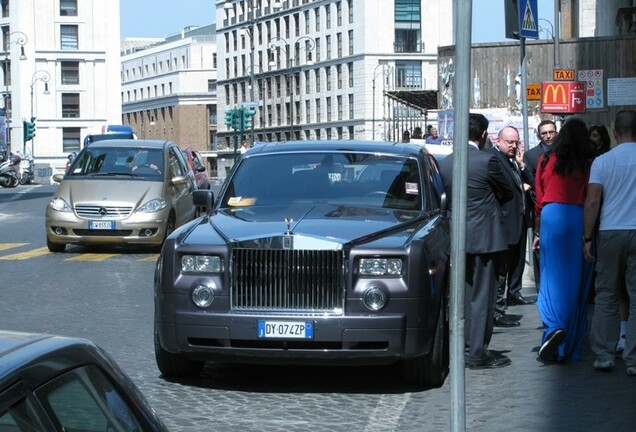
[561, 185]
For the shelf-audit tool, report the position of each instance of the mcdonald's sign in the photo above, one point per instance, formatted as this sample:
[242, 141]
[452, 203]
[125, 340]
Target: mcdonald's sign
[563, 97]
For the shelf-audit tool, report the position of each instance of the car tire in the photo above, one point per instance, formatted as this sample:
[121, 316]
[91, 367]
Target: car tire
[169, 229]
[173, 365]
[430, 370]
[55, 247]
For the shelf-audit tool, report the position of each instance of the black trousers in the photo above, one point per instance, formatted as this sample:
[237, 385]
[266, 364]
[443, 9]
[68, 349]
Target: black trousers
[510, 273]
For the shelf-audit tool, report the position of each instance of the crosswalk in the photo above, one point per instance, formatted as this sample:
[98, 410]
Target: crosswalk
[25, 251]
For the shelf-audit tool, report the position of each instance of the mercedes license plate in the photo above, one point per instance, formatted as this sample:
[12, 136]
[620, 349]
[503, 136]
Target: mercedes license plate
[285, 329]
[101, 225]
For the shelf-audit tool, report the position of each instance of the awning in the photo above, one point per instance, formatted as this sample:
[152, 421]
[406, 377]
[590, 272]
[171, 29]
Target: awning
[420, 99]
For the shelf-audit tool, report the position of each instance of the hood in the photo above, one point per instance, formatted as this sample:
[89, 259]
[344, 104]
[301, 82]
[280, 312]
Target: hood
[333, 223]
[109, 192]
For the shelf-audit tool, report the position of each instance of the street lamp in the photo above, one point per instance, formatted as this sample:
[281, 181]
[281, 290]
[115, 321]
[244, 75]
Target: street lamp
[39, 75]
[277, 44]
[21, 41]
[385, 71]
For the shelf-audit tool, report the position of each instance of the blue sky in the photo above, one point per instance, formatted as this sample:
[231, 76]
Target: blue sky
[160, 18]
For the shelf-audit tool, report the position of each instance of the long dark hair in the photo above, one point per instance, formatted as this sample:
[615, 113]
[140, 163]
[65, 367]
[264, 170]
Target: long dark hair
[572, 148]
[605, 138]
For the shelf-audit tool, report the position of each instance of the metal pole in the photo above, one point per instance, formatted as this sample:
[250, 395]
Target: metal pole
[463, 30]
[524, 93]
[373, 108]
[290, 82]
[557, 31]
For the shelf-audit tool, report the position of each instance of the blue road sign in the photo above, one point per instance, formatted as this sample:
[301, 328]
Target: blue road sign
[528, 19]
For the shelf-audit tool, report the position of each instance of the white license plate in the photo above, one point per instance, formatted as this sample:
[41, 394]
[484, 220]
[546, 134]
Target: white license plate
[285, 329]
[101, 225]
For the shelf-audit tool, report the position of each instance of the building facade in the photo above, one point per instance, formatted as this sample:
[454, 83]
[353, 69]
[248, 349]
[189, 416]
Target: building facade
[60, 67]
[169, 88]
[322, 69]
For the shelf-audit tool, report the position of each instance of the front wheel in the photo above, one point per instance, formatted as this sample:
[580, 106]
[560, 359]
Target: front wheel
[55, 247]
[430, 370]
[175, 365]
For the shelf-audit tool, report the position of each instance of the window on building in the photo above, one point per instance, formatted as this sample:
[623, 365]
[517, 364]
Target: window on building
[318, 112]
[328, 77]
[407, 25]
[338, 14]
[306, 22]
[409, 74]
[308, 112]
[351, 132]
[350, 11]
[318, 54]
[68, 7]
[70, 139]
[350, 67]
[339, 102]
[339, 42]
[351, 108]
[70, 72]
[211, 86]
[70, 105]
[350, 42]
[339, 75]
[317, 18]
[307, 83]
[68, 37]
[328, 15]
[318, 79]
[328, 43]
[328, 103]
[297, 24]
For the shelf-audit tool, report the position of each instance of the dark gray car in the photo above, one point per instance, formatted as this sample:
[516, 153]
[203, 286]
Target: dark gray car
[313, 253]
[54, 383]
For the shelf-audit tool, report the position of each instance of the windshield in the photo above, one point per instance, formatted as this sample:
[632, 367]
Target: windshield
[329, 177]
[118, 161]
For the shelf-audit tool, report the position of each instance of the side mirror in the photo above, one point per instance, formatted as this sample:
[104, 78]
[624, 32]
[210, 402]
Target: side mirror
[444, 205]
[203, 198]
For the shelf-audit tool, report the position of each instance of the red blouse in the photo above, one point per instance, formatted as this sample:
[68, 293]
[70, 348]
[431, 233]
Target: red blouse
[551, 187]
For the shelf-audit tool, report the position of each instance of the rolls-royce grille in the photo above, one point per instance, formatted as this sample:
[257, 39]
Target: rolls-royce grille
[306, 281]
[96, 211]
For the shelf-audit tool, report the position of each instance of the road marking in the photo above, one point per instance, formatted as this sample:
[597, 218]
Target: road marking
[7, 246]
[387, 412]
[152, 258]
[91, 257]
[26, 255]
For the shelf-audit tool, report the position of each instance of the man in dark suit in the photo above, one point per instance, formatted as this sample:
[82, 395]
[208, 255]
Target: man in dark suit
[509, 154]
[546, 132]
[488, 188]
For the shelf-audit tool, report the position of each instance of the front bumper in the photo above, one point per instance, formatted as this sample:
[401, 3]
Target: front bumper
[364, 339]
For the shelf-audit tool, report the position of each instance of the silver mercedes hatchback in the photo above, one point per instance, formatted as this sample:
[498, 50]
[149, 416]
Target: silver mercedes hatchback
[121, 192]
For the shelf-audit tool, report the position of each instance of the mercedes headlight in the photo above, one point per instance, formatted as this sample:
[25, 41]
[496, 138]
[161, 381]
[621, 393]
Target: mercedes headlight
[153, 206]
[58, 204]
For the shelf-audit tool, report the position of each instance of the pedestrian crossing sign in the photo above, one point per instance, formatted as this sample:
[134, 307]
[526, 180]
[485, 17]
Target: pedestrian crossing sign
[528, 19]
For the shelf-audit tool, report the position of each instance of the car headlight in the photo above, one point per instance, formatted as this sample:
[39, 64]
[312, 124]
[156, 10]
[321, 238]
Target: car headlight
[58, 204]
[153, 206]
[380, 266]
[201, 264]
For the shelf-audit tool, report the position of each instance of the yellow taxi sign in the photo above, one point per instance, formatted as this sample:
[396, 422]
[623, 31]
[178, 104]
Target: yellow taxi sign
[563, 75]
[533, 92]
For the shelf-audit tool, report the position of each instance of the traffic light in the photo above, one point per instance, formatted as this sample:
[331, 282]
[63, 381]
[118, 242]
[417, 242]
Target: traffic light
[229, 117]
[28, 129]
[246, 120]
[236, 119]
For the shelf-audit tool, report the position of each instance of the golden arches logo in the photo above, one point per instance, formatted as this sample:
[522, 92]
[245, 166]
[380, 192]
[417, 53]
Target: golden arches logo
[555, 90]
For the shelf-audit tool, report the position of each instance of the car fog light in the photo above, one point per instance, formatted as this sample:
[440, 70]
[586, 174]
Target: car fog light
[203, 296]
[374, 299]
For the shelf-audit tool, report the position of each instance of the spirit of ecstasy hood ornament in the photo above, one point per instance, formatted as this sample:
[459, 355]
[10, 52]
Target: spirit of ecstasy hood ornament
[288, 222]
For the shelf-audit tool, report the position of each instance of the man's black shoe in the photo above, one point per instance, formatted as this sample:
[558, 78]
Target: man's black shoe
[491, 362]
[518, 299]
[505, 321]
